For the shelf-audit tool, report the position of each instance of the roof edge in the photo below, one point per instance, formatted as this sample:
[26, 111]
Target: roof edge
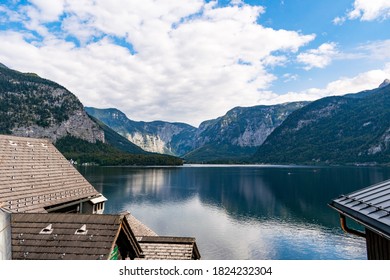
[372, 224]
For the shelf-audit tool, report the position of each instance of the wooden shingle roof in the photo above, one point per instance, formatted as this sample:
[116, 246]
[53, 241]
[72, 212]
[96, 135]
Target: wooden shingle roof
[35, 175]
[52, 236]
[169, 248]
[156, 247]
[137, 227]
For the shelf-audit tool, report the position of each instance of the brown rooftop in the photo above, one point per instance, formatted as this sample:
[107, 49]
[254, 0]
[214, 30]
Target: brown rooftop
[156, 247]
[71, 236]
[35, 176]
[137, 227]
[169, 248]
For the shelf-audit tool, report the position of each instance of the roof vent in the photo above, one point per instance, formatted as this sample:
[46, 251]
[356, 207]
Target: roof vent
[82, 230]
[43, 145]
[47, 230]
[29, 144]
[12, 143]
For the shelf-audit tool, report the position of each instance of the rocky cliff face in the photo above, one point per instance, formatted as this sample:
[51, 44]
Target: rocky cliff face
[245, 126]
[239, 132]
[351, 129]
[234, 135]
[36, 107]
[78, 125]
[158, 136]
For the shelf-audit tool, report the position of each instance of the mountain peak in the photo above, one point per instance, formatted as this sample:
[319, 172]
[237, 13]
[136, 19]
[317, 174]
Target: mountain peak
[3, 66]
[385, 83]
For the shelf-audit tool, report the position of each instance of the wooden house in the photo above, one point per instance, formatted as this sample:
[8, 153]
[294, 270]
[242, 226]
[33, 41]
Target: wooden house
[61, 236]
[36, 178]
[47, 212]
[369, 207]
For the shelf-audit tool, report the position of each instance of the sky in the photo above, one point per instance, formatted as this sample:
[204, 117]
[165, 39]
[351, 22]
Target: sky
[193, 60]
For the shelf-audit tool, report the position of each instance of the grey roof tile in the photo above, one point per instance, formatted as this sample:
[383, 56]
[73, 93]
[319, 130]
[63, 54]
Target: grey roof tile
[35, 175]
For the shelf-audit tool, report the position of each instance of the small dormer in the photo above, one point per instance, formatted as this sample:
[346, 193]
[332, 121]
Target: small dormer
[95, 205]
[82, 230]
[47, 230]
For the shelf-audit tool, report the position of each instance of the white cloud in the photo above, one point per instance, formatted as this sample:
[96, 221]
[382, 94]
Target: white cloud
[378, 50]
[319, 58]
[188, 61]
[367, 10]
[339, 20]
[288, 77]
[48, 10]
[363, 81]
[9, 15]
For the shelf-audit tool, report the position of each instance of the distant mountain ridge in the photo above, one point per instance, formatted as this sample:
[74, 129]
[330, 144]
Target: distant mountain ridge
[157, 136]
[350, 129]
[239, 132]
[230, 137]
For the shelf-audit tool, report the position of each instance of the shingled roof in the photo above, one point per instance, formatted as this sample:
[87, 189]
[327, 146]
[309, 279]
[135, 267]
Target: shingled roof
[156, 247]
[169, 248]
[34, 175]
[71, 236]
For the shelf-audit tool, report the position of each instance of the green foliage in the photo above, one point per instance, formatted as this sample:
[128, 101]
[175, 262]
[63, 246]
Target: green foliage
[222, 153]
[332, 130]
[103, 154]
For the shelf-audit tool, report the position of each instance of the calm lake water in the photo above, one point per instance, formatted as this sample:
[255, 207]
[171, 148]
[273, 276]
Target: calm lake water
[241, 212]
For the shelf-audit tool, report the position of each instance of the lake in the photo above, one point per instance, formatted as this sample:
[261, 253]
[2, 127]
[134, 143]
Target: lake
[241, 212]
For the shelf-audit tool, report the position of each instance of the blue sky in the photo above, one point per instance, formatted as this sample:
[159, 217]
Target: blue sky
[193, 60]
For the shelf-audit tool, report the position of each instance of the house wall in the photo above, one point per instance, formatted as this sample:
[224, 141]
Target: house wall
[378, 247]
[91, 208]
[87, 208]
[5, 236]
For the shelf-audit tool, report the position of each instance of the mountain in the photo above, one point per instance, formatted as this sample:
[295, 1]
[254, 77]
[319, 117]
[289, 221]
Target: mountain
[36, 107]
[238, 133]
[118, 141]
[157, 136]
[233, 136]
[350, 129]
[385, 83]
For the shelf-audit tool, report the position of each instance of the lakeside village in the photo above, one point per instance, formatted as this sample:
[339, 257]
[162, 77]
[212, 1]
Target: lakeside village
[49, 211]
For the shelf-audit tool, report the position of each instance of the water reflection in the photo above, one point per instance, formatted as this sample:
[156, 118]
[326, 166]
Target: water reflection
[241, 212]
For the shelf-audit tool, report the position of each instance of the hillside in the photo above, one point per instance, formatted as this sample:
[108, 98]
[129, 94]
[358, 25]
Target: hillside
[158, 136]
[237, 135]
[99, 153]
[229, 138]
[350, 129]
[36, 107]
